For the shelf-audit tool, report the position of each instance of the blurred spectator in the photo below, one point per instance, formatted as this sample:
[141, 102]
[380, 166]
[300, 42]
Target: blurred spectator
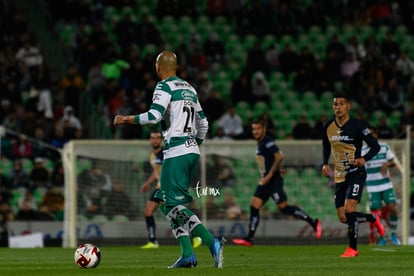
[118, 201]
[286, 21]
[302, 129]
[289, 60]
[27, 207]
[214, 49]
[370, 100]
[354, 47]
[72, 85]
[336, 46]
[220, 135]
[30, 55]
[317, 129]
[231, 123]
[372, 48]
[390, 48]
[53, 204]
[270, 125]
[303, 80]
[19, 178]
[306, 59]
[383, 130]
[58, 138]
[126, 31]
[260, 88]
[44, 104]
[256, 60]
[405, 68]
[380, 13]
[147, 33]
[71, 119]
[22, 147]
[217, 8]
[6, 215]
[321, 79]
[96, 82]
[39, 175]
[241, 89]
[272, 58]
[393, 97]
[232, 209]
[349, 67]
[213, 106]
[214, 211]
[57, 179]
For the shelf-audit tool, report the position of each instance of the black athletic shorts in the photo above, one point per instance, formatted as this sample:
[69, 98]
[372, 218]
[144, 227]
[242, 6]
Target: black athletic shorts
[351, 188]
[273, 189]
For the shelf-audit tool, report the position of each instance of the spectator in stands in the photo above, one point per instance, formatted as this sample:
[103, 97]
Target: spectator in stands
[126, 31]
[22, 147]
[57, 179]
[270, 125]
[383, 130]
[390, 48]
[27, 207]
[286, 21]
[393, 97]
[272, 58]
[53, 203]
[372, 48]
[214, 49]
[39, 176]
[231, 123]
[5, 216]
[256, 60]
[118, 201]
[354, 47]
[380, 13]
[349, 67]
[241, 89]
[220, 135]
[73, 85]
[44, 104]
[303, 80]
[213, 106]
[96, 81]
[302, 129]
[58, 138]
[288, 60]
[405, 68]
[260, 88]
[19, 178]
[317, 129]
[30, 55]
[306, 59]
[70, 118]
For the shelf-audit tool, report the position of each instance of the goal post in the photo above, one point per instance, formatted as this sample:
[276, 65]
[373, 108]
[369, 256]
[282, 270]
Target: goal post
[227, 178]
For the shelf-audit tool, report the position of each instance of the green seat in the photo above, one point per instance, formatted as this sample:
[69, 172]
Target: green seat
[249, 41]
[267, 41]
[259, 108]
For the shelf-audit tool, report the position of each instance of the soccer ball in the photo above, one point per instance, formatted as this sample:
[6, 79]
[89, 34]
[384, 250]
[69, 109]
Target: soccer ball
[87, 255]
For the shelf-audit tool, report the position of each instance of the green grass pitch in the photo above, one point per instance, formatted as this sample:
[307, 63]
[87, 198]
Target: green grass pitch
[257, 260]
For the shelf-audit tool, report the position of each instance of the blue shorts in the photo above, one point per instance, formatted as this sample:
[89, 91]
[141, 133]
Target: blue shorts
[351, 188]
[273, 189]
[156, 196]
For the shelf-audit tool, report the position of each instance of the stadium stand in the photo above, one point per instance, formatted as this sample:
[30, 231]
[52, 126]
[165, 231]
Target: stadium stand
[89, 38]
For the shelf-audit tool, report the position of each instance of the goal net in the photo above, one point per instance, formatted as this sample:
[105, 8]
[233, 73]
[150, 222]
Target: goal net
[103, 198]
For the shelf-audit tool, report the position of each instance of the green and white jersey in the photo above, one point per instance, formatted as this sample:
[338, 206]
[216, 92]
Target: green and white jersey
[175, 102]
[376, 181]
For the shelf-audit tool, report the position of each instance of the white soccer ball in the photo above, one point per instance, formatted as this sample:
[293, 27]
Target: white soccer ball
[87, 255]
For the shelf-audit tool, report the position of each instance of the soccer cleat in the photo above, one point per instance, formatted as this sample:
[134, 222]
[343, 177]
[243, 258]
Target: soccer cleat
[379, 226]
[242, 242]
[217, 252]
[318, 229]
[349, 253]
[197, 242]
[150, 245]
[188, 262]
[394, 239]
[381, 241]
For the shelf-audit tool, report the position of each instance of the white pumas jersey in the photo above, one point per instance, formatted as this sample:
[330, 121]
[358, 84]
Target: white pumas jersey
[176, 102]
